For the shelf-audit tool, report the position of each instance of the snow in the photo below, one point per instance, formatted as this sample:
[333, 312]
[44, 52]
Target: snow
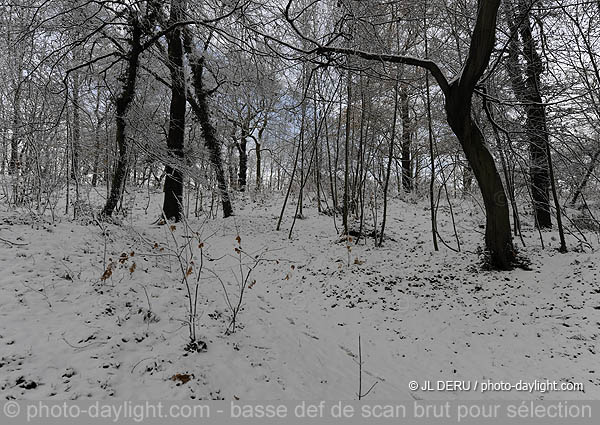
[421, 314]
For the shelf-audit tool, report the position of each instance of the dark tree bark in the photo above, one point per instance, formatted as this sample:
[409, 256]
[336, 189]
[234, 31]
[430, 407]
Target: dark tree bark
[537, 130]
[498, 238]
[258, 164]
[407, 174]
[243, 156]
[173, 200]
[122, 103]
[527, 91]
[201, 109]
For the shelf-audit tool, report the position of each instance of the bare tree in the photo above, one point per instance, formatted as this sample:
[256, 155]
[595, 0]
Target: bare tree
[458, 93]
[173, 200]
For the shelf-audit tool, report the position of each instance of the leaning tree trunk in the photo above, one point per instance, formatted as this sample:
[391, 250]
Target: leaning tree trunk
[458, 94]
[173, 200]
[214, 149]
[201, 109]
[498, 239]
[123, 101]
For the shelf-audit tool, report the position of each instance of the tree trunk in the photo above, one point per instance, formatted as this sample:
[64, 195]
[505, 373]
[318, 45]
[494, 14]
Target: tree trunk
[498, 238]
[76, 135]
[388, 170]
[258, 166]
[96, 165]
[13, 164]
[201, 109]
[123, 101]
[537, 131]
[434, 231]
[258, 141]
[458, 93]
[527, 91]
[231, 169]
[243, 168]
[347, 155]
[407, 177]
[173, 200]
[4, 152]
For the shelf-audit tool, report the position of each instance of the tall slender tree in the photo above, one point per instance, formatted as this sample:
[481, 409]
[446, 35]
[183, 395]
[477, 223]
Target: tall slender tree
[173, 200]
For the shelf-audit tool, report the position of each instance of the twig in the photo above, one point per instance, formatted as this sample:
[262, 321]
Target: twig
[136, 365]
[13, 243]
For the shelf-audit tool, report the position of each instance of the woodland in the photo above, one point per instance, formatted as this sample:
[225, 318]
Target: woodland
[218, 178]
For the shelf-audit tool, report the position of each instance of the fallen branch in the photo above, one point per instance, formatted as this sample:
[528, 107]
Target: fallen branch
[13, 243]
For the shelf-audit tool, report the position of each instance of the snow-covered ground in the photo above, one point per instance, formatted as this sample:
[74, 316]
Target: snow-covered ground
[66, 333]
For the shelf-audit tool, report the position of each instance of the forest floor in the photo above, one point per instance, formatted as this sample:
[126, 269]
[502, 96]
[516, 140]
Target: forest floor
[67, 333]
